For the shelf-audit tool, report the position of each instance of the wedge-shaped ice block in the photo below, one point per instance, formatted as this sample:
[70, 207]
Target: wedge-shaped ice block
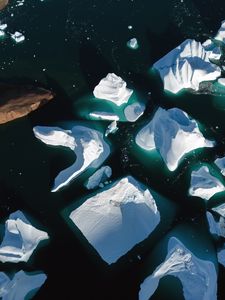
[186, 66]
[118, 218]
[198, 277]
[203, 184]
[20, 285]
[20, 239]
[88, 144]
[173, 133]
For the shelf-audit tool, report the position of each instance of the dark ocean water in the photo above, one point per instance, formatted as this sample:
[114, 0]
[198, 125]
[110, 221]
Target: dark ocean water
[70, 45]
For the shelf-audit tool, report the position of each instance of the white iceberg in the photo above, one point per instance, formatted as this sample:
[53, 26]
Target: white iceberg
[173, 133]
[113, 88]
[20, 239]
[186, 66]
[111, 128]
[204, 185]
[88, 144]
[134, 111]
[104, 116]
[133, 44]
[220, 36]
[217, 228]
[220, 162]
[20, 286]
[18, 37]
[198, 277]
[100, 176]
[221, 81]
[3, 26]
[118, 218]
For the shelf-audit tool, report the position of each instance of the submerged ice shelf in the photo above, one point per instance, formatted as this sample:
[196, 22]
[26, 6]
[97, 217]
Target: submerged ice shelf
[198, 277]
[88, 144]
[173, 133]
[20, 239]
[118, 218]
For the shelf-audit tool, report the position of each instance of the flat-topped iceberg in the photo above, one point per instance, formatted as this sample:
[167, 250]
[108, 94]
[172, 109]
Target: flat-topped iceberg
[173, 133]
[220, 36]
[20, 286]
[20, 239]
[88, 144]
[113, 88]
[220, 162]
[198, 277]
[204, 185]
[118, 218]
[186, 66]
[100, 176]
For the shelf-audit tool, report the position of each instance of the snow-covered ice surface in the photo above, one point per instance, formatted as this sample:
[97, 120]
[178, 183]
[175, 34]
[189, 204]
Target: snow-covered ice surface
[220, 36]
[118, 218]
[113, 88]
[203, 184]
[20, 239]
[220, 162]
[173, 133]
[134, 111]
[88, 144]
[100, 176]
[20, 285]
[198, 277]
[186, 66]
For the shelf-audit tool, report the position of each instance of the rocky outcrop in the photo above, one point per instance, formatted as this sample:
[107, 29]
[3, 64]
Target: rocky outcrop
[17, 101]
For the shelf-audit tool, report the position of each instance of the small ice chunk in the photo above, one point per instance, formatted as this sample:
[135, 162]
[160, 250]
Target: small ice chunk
[2, 33]
[104, 116]
[130, 27]
[186, 66]
[112, 128]
[18, 37]
[3, 26]
[198, 277]
[220, 162]
[173, 133]
[88, 144]
[134, 111]
[113, 88]
[217, 228]
[20, 239]
[221, 81]
[204, 185]
[20, 285]
[133, 44]
[100, 176]
[220, 36]
[118, 218]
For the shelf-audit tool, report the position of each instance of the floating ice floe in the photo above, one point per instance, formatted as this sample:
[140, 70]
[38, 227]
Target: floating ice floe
[134, 111]
[20, 239]
[113, 88]
[104, 116]
[186, 66]
[220, 162]
[18, 37]
[198, 277]
[204, 185]
[20, 285]
[173, 133]
[100, 176]
[112, 128]
[220, 36]
[118, 218]
[221, 81]
[133, 44]
[88, 144]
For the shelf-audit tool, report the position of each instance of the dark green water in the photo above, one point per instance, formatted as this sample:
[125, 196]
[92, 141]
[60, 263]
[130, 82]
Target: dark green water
[70, 45]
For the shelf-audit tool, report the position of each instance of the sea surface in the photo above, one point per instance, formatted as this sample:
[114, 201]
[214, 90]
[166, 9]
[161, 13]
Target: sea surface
[69, 46]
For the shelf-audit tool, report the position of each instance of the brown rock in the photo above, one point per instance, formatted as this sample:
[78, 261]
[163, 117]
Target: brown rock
[3, 3]
[17, 101]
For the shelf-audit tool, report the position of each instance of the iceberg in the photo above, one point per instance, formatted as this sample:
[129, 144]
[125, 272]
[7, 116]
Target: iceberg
[134, 111]
[100, 176]
[220, 36]
[186, 66]
[88, 145]
[133, 44]
[18, 37]
[116, 219]
[113, 88]
[198, 277]
[204, 185]
[20, 239]
[104, 116]
[217, 228]
[20, 286]
[220, 162]
[112, 128]
[173, 133]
